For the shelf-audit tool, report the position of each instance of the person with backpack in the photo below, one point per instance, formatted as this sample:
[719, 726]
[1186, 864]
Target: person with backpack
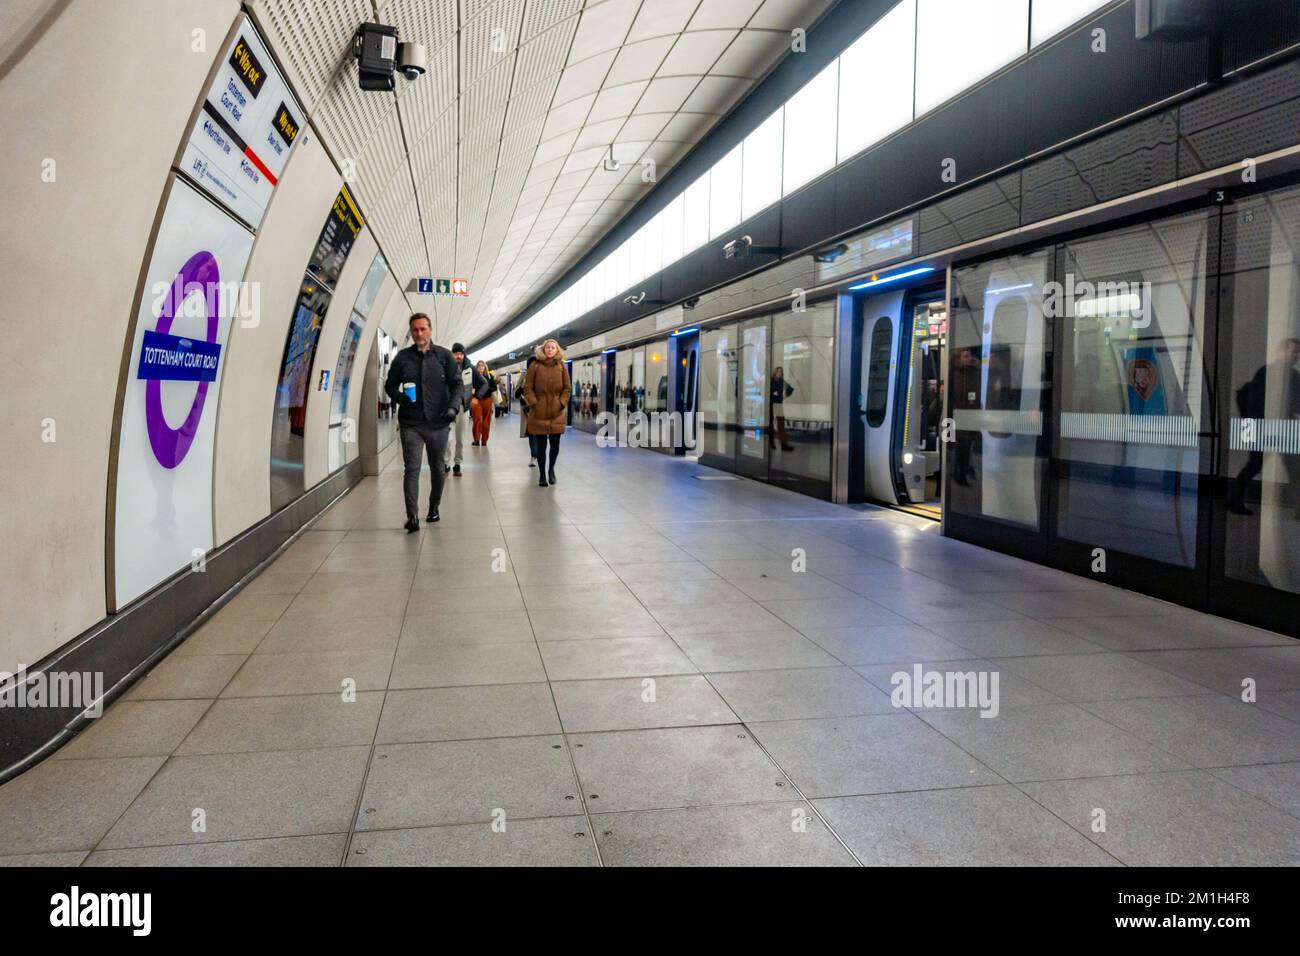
[470, 383]
[424, 383]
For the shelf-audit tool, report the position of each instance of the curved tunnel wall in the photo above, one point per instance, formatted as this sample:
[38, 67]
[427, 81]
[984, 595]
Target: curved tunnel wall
[101, 141]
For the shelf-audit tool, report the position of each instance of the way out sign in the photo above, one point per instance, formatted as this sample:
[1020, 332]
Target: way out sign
[442, 286]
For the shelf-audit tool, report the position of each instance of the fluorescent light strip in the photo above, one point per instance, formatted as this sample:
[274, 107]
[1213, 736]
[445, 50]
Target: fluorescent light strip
[922, 270]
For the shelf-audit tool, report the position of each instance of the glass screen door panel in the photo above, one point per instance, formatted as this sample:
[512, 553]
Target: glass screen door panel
[756, 426]
[999, 375]
[1259, 382]
[1133, 390]
[719, 359]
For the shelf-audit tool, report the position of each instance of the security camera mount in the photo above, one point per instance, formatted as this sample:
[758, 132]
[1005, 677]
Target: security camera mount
[375, 47]
[830, 253]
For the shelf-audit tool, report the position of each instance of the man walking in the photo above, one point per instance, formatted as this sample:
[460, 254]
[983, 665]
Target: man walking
[470, 382]
[424, 383]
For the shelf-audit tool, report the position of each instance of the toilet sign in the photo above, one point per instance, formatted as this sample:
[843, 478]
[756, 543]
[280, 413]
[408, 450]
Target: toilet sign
[442, 286]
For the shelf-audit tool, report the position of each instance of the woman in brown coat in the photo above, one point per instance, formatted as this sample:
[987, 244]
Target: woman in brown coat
[547, 391]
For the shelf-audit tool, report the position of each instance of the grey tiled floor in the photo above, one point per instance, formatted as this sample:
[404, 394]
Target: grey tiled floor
[625, 669]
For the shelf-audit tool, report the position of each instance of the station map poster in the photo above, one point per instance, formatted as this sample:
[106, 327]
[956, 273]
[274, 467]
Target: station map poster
[163, 505]
[246, 128]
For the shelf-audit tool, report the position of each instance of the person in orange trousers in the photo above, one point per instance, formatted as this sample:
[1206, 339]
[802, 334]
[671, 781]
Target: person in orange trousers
[480, 406]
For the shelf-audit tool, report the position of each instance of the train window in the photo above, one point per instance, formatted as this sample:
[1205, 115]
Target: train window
[882, 342]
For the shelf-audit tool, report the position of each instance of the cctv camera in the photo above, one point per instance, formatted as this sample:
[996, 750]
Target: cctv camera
[412, 60]
[375, 46]
[738, 248]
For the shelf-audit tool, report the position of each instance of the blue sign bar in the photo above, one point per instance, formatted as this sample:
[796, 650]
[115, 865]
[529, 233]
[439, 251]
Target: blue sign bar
[170, 358]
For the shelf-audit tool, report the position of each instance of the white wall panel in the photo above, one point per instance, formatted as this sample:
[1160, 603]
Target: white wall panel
[112, 127]
[876, 76]
[958, 43]
[810, 118]
[1050, 17]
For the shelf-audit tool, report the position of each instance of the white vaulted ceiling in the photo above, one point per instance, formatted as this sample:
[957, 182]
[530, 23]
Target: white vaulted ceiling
[490, 166]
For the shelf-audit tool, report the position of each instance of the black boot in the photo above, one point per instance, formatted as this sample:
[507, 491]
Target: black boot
[552, 474]
[541, 478]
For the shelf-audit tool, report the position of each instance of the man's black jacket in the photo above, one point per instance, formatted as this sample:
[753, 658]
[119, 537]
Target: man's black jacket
[437, 386]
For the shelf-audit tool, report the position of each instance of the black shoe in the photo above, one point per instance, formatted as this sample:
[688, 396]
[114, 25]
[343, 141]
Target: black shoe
[474, 443]
[432, 516]
[412, 524]
[456, 472]
[446, 468]
[541, 479]
[552, 476]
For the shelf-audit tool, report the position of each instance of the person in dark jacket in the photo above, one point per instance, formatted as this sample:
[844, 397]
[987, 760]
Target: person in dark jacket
[547, 390]
[1253, 404]
[470, 382]
[480, 406]
[424, 383]
[781, 390]
[966, 390]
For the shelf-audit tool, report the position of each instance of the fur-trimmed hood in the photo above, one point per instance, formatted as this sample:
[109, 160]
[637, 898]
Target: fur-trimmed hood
[541, 356]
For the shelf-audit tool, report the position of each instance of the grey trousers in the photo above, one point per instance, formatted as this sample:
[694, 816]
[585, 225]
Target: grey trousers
[416, 441]
[458, 432]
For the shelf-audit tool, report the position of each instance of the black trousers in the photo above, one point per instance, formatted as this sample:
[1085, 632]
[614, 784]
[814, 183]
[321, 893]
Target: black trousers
[538, 446]
[418, 440]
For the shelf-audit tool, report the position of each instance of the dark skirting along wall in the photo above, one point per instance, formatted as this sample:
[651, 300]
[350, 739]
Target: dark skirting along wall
[125, 646]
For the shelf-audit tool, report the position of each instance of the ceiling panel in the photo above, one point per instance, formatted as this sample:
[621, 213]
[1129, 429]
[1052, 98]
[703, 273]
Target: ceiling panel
[490, 165]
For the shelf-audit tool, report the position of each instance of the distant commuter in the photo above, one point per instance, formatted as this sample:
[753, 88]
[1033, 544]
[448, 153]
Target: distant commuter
[502, 399]
[480, 405]
[781, 390]
[523, 415]
[424, 384]
[547, 390]
[966, 390]
[469, 382]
